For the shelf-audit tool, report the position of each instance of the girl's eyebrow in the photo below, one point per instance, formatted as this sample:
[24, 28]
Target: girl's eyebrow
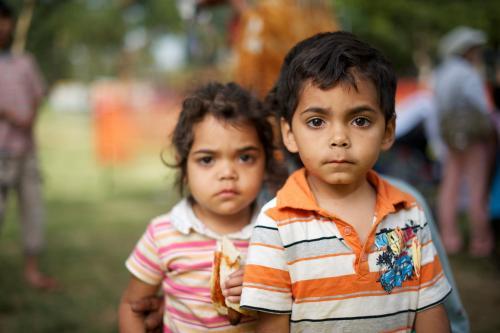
[209, 151]
[203, 151]
[247, 148]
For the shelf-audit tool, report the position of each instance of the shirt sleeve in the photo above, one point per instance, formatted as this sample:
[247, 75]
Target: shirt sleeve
[434, 286]
[266, 283]
[473, 89]
[144, 262]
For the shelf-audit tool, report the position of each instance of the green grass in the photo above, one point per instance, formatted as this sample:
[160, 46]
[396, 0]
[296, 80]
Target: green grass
[94, 217]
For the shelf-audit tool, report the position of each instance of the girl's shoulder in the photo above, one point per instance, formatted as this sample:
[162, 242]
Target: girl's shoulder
[178, 219]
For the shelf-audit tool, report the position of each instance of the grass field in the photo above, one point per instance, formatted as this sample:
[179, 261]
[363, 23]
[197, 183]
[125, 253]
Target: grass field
[94, 217]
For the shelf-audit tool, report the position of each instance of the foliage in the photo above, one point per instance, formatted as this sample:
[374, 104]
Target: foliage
[403, 26]
[84, 38]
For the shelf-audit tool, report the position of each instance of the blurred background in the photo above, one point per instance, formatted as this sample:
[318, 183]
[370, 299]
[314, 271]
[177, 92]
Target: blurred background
[116, 72]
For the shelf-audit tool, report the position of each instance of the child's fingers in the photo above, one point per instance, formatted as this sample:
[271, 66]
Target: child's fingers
[237, 273]
[147, 304]
[235, 291]
[233, 282]
[154, 321]
[234, 299]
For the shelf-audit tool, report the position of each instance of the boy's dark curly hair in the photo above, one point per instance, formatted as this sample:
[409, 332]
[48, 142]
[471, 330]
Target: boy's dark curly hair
[328, 59]
[229, 103]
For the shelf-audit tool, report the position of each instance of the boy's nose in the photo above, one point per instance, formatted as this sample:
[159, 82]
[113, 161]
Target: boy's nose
[339, 141]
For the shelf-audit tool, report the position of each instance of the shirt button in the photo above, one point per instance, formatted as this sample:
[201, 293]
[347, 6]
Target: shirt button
[347, 231]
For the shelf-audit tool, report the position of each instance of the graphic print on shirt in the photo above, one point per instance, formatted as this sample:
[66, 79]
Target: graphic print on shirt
[400, 257]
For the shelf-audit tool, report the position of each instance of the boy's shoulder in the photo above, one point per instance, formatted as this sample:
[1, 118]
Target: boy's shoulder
[296, 197]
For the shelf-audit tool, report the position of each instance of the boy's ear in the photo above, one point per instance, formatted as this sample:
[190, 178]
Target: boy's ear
[288, 137]
[390, 134]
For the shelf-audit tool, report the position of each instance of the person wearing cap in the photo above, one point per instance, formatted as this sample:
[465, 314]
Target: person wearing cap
[465, 127]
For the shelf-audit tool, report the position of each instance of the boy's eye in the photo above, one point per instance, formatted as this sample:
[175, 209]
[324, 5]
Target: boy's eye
[316, 122]
[361, 122]
[205, 160]
[247, 158]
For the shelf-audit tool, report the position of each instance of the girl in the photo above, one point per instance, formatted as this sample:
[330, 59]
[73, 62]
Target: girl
[223, 145]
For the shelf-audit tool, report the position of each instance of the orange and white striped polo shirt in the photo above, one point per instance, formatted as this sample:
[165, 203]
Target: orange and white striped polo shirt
[308, 263]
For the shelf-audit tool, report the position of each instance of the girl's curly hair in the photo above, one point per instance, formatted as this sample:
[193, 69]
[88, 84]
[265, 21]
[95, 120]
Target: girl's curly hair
[234, 105]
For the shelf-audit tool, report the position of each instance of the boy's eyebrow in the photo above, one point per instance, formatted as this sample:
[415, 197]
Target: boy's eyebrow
[362, 108]
[326, 111]
[316, 109]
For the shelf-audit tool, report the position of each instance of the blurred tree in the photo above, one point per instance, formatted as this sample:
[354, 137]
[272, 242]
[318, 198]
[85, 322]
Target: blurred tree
[84, 39]
[403, 27]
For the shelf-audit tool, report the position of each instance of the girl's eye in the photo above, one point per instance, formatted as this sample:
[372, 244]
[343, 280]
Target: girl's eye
[316, 122]
[361, 122]
[205, 160]
[247, 158]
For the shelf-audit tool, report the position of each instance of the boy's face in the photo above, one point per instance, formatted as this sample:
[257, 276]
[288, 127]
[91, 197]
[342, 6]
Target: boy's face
[6, 26]
[338, 132]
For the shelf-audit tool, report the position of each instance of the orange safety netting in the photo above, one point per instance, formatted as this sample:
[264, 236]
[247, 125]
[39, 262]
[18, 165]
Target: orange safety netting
[115, 130]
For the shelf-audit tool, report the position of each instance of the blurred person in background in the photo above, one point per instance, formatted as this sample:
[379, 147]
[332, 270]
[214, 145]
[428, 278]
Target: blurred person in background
[21, 92]
[466, 129]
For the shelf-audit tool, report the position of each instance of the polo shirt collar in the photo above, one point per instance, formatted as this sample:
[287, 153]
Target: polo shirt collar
[297, 194]
[185, 221]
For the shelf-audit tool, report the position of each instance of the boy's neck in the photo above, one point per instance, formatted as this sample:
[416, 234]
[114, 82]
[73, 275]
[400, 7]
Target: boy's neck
[353, 203]
[337, 192]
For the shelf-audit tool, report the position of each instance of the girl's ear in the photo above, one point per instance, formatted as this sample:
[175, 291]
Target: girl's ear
[390, 134]
[288, 137]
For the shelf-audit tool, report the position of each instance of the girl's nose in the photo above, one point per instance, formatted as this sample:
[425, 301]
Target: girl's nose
[228, 172]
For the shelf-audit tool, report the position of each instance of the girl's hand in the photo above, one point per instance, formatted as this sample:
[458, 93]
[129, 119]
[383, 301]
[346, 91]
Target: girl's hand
[151, 309]
[233, 286]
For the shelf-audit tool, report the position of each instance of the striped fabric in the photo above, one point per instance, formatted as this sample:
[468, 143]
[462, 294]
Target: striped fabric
[177, 252]
[304, 262]
[21, 90]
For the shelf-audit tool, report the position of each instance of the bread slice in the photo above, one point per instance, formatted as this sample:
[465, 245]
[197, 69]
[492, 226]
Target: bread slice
[227, 260]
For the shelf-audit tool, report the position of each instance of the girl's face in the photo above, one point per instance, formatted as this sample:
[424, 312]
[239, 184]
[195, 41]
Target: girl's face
[225, 167]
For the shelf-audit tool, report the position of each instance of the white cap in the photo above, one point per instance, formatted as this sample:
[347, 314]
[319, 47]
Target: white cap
[460, 40]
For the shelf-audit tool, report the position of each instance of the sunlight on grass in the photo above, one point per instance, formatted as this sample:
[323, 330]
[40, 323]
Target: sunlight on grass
[71, 169]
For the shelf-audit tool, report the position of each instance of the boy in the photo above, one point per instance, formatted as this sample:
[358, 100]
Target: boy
[339, 248]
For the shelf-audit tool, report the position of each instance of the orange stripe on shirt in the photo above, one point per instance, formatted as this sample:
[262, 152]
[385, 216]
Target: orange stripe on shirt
[268, 245]
[271, 277]
[350, 284]
[319, 257]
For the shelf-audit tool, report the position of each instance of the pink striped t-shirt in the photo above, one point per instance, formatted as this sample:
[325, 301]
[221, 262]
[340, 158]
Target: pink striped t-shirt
[177, 251]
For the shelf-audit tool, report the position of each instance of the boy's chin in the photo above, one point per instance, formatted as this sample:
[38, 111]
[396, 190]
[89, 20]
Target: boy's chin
[337, 179]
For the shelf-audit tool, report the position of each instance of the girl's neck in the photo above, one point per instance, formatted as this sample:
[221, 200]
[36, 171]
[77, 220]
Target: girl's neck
[223, 224]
